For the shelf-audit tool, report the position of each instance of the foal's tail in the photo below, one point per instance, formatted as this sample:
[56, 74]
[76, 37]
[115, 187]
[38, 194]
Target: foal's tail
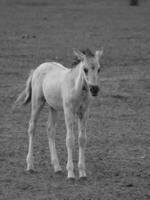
[25, 96]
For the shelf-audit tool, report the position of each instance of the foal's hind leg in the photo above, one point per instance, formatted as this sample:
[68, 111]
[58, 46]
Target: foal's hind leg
[37, 105]
[51, 130]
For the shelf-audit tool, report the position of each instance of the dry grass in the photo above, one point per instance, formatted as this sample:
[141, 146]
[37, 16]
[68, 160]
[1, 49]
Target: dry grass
[118, 130]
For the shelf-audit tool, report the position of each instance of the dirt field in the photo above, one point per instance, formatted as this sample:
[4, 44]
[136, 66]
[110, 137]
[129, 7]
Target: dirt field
[118, 149]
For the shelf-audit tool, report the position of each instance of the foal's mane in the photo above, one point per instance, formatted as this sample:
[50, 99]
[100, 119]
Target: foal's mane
[87, 52]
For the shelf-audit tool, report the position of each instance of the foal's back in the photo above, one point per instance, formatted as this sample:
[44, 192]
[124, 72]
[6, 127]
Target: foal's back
[47, 69]
[47, 81]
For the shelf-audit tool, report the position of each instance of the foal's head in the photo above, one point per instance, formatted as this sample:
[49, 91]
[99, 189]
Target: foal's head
[91, 68]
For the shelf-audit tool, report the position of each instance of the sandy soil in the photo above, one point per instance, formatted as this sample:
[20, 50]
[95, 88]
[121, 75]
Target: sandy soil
[118, 149]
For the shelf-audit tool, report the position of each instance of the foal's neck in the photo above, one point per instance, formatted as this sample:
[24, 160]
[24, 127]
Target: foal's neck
[80, 82]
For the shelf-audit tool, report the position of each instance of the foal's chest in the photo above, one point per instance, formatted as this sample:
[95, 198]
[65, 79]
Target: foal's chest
[80, 105]
[81, 109]
[77, 101]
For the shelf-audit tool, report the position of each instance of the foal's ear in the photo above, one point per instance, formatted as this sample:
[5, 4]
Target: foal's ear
[79, 55]
[99, 53]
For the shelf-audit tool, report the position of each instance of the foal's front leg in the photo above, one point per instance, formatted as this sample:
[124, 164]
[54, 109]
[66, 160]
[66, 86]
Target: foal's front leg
[70, 141]
[82, 144]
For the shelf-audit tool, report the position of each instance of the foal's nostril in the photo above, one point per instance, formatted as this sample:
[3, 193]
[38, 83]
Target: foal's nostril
[94, 89]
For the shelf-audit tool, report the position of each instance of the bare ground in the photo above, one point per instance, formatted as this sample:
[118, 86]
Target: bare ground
[118, 149]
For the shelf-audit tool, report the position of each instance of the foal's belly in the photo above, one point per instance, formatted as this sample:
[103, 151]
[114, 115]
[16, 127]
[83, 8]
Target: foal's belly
[52, 90]
[53, 98]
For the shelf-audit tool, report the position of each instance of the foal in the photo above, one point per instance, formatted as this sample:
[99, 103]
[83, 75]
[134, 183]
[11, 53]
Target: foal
[67, 89]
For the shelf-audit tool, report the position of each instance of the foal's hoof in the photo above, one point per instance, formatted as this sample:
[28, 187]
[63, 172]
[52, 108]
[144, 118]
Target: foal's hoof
[32, 171]
[59, 172]
[71, 180]
[82, 179]
[57, 169]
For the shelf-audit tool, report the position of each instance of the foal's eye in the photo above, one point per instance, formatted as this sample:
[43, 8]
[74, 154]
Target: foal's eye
[99, 70]
[85, 70]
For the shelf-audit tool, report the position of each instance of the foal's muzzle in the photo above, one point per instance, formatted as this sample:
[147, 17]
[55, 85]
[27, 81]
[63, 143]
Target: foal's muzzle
[94, 89]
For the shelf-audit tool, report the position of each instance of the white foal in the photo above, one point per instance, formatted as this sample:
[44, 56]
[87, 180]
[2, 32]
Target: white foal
[67, 89]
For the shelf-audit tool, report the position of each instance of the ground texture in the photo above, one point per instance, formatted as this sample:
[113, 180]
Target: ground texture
[118, 148]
